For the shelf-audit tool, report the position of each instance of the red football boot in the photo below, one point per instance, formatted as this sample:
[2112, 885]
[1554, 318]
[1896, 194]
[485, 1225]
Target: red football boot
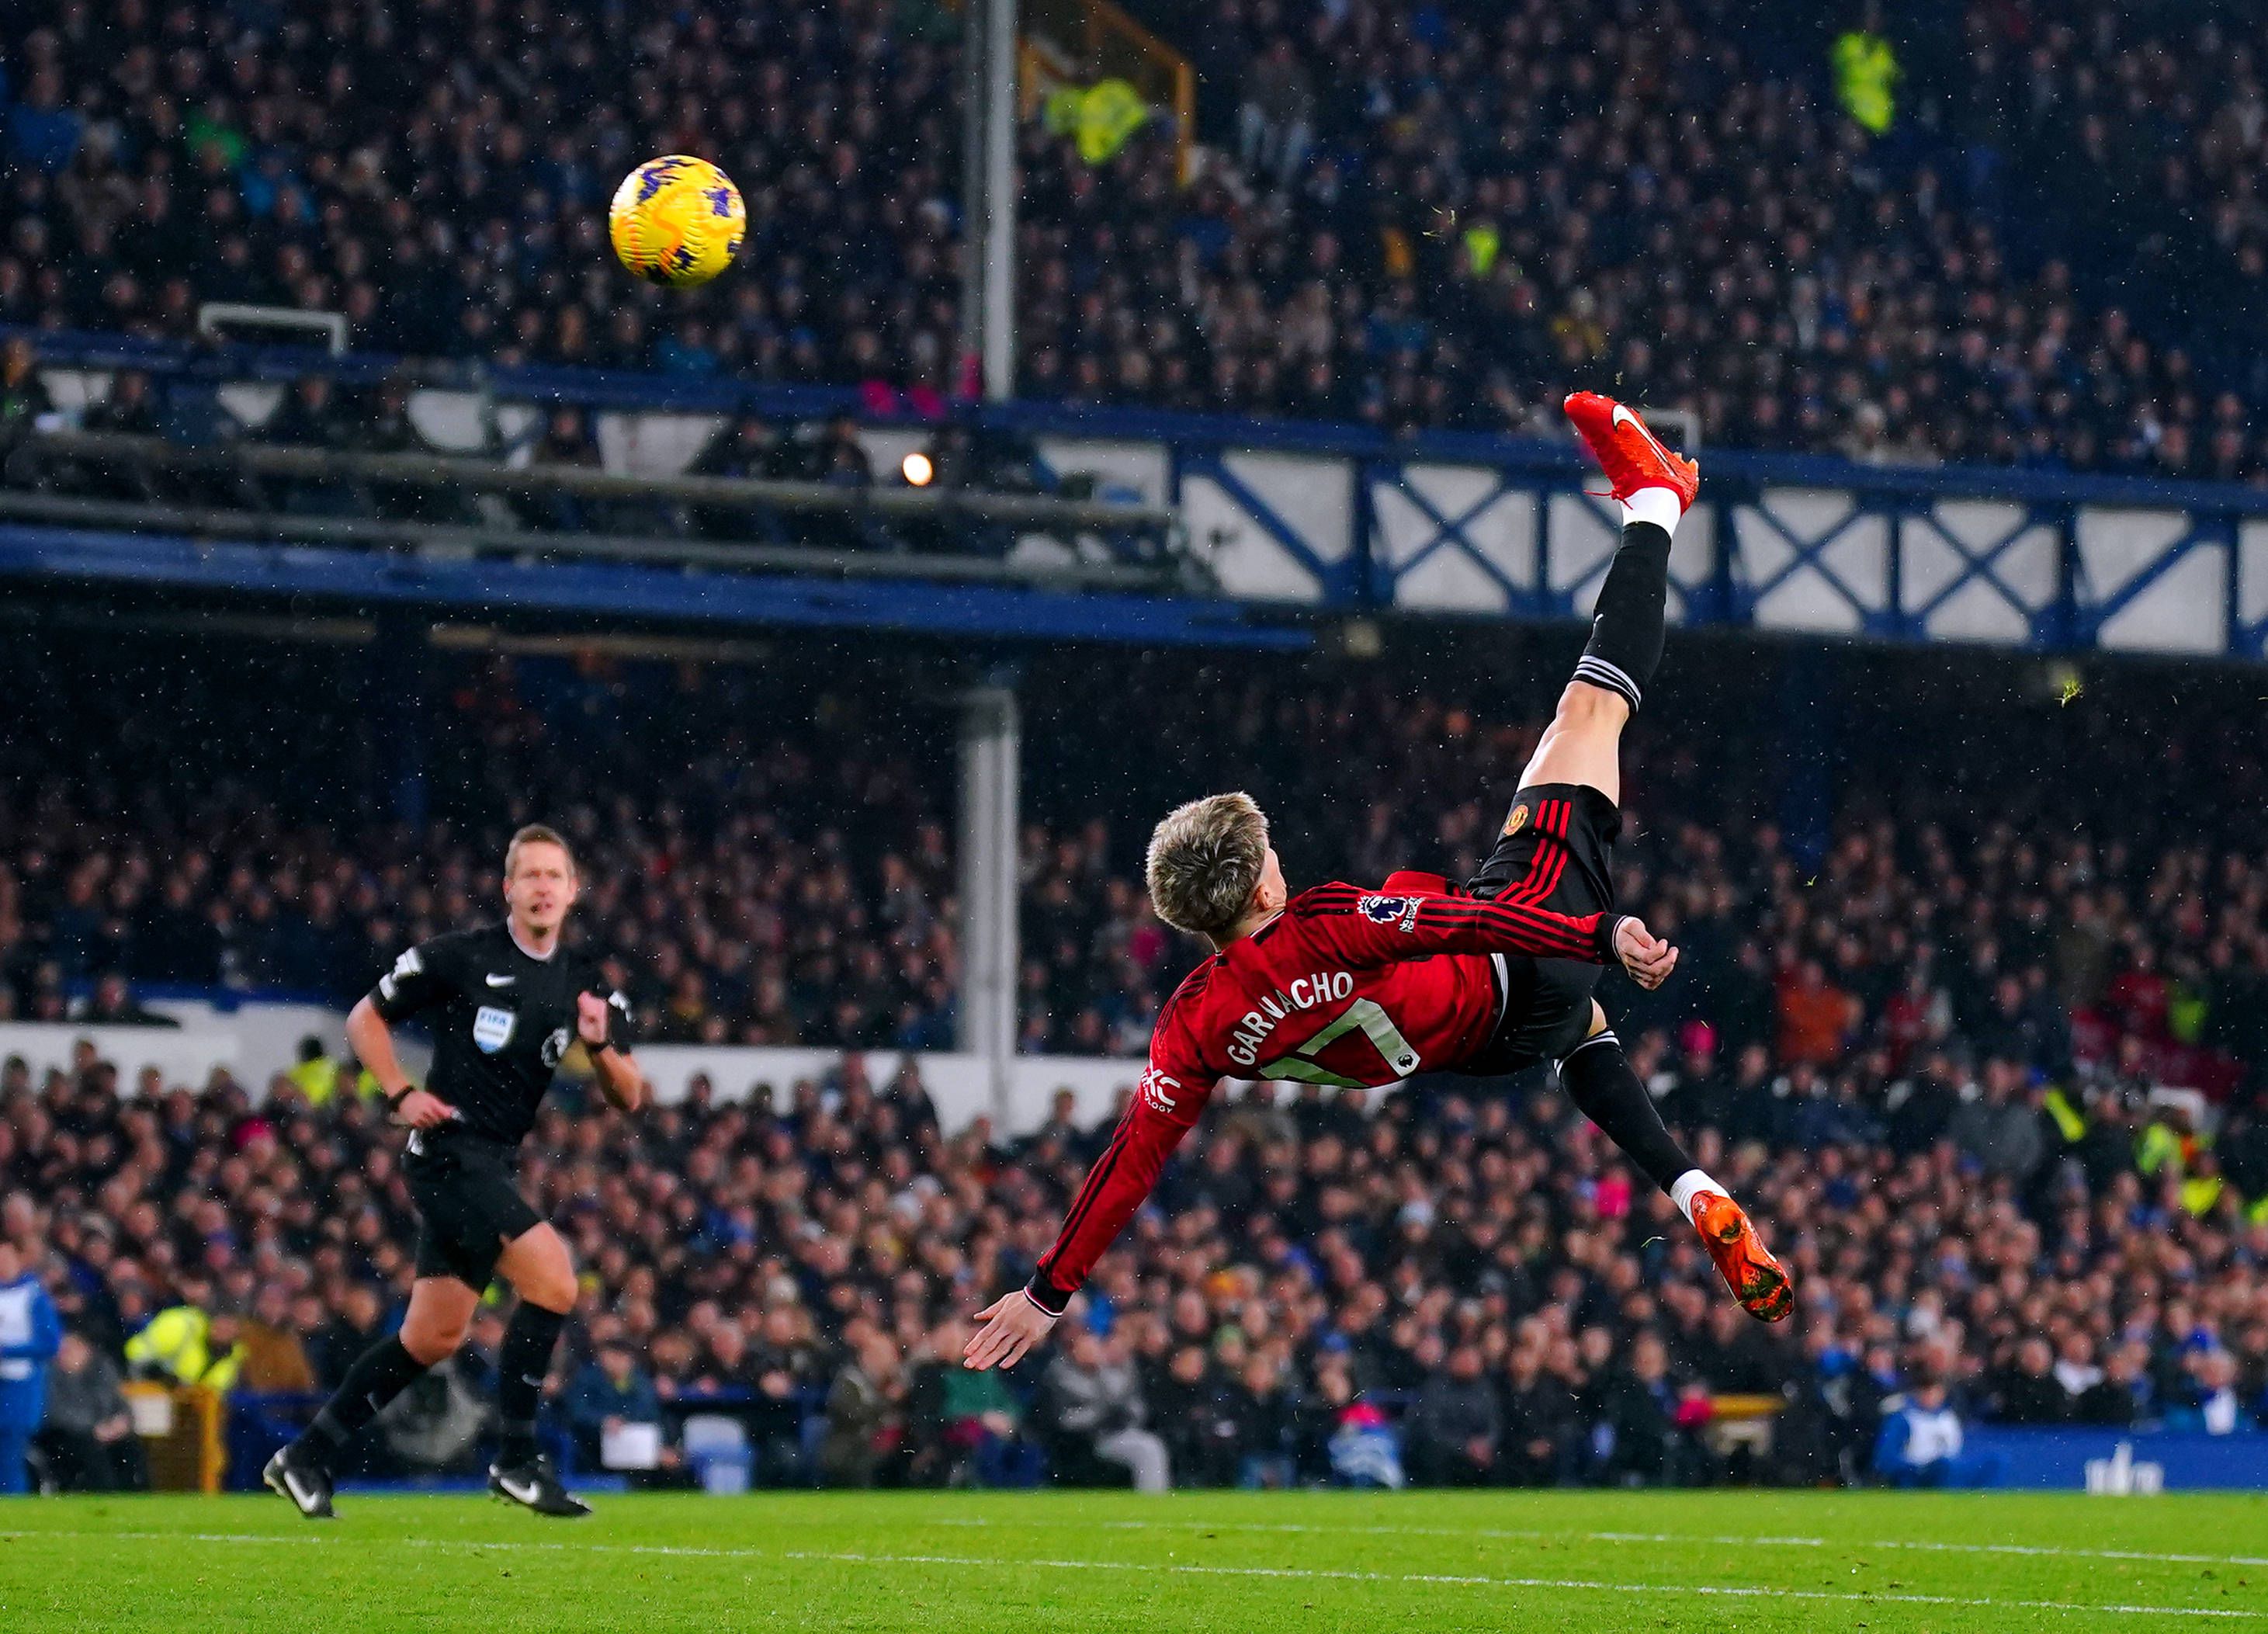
[1627, 451]
[1759, 1282]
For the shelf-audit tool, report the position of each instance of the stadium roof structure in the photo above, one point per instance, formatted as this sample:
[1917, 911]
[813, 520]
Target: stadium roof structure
[1254, 528]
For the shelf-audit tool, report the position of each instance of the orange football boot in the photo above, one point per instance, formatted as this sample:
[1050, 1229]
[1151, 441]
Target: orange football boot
[1630, 454]
[1759, 1282]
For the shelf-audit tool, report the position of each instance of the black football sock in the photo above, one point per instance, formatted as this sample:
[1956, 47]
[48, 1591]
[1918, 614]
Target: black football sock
[529, 1341]
[1601, 1083]
[1626, 626]
[379, 1374]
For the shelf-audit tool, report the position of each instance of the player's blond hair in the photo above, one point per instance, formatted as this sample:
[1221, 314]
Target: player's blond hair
[1205, 862]
[537, 834]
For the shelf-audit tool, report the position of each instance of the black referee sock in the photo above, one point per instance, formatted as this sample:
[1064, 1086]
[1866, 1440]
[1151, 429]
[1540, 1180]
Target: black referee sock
[522, 1365]
[379, 1374]
[1601, 1083]
[1626, 628]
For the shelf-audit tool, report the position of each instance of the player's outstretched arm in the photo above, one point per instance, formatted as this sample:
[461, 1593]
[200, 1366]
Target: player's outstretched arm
[1013, 1323]
[1165, 1108]
[1374, 928]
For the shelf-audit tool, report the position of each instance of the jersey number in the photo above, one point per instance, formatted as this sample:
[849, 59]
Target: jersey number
[1364, 1013]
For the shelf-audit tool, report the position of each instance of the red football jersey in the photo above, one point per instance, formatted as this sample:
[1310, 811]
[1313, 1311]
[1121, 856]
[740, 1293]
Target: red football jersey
[1344, 987]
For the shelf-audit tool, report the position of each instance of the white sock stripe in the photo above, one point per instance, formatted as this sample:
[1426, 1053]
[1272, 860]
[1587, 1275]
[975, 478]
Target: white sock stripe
[1600, 672]
[1607, 1037]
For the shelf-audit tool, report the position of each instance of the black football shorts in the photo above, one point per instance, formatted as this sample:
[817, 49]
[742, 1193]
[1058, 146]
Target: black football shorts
[1556, 850]
[467, 1204]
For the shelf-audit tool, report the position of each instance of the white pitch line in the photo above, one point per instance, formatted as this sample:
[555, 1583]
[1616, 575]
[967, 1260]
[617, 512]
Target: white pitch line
[480, 1545]
[345, 1537]
[348, 1537]
[1532, 1535]
[1592, 1585]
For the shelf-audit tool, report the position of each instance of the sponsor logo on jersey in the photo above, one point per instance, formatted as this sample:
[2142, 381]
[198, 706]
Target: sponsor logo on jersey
[1515, 823]
[554, 1047]
[1158, 1089]
[492, 1029]
[1390, 910]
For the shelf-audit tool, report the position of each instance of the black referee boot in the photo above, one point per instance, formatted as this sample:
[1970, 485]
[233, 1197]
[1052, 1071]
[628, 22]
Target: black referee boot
[533, 1486]
[302, 1480]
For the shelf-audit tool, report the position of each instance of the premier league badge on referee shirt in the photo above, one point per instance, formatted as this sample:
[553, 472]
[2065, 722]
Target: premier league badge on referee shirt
[492, 1029]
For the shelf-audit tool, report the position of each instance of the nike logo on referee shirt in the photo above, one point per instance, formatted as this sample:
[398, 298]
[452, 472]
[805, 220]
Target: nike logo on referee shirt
[502, 980]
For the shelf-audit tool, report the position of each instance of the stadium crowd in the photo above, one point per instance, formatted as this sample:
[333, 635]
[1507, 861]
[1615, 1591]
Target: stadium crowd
[1972, 912]
[1472, 210]
[2150, 122]
[1451, 1286]
[797, 885]
[1985, 1053]
[790, 888]
[1437, 217]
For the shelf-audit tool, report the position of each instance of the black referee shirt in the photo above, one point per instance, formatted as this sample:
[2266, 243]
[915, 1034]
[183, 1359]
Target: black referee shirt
[501, 1020]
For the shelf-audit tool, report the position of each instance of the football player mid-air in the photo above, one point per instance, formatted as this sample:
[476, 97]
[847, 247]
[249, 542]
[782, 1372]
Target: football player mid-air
[1346, 986]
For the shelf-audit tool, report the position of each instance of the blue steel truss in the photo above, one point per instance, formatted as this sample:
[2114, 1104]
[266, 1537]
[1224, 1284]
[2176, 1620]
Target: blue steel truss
[1342, 581]
[2087, 599]
[1526, 601]
[1981, 566]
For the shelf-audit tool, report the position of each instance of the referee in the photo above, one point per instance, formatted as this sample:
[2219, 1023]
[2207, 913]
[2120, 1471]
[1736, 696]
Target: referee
[506, 1002]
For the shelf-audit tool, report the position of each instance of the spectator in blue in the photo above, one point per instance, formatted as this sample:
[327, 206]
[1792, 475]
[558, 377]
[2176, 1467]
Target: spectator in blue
[2213, 1405]
[610, 1391]
[1923, 1441]
[43, 130]
[30, 1331]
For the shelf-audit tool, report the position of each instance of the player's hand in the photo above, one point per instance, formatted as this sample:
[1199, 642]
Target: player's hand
[1649, 959]
[422, 1108]
[590, 1019]
[1013, 1326]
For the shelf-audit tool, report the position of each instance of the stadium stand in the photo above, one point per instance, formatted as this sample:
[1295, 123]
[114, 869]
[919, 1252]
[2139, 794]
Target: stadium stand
[2142, 127]
[1475, 1271]
[801, 892]
[1438, 219]
[1985, 872]
[1990, 1052]
[792, 890]
[1993, 1072]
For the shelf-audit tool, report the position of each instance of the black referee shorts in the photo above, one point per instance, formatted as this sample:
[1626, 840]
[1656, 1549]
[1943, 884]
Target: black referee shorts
[1556, 850]
[467, 1204]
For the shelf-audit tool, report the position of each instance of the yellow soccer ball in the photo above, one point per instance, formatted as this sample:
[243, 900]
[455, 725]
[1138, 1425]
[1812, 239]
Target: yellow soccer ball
[677, 221]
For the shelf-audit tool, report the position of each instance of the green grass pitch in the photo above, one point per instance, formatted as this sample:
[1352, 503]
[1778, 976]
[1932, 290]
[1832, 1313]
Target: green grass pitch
[966, 1562]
